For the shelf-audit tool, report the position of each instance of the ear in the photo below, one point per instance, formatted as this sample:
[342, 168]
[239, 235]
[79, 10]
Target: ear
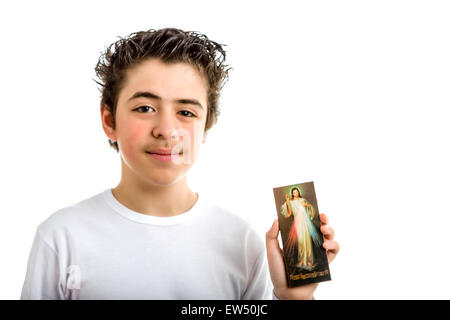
[107, 122]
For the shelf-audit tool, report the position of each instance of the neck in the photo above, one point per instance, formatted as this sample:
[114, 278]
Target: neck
[155, 200]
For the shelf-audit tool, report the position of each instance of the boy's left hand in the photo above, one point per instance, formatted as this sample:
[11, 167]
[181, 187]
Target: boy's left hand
[276, 262]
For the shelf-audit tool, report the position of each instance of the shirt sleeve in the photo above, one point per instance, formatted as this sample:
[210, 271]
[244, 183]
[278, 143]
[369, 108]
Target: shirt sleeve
[42, 279]
[259, 285]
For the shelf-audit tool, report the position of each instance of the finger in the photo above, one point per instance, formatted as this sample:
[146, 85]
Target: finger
[332, 251]
[323, 218]
[331, 245]
[327, 231]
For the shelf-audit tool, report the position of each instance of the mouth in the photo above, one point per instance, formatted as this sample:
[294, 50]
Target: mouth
[164, 157]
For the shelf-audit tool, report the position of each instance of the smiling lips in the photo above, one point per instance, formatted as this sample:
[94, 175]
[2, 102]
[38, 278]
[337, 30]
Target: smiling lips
[161, 154]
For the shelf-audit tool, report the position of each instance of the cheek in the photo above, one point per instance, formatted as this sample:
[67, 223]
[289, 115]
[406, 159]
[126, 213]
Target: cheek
[196, 134]
[190, 141]
[134, 139]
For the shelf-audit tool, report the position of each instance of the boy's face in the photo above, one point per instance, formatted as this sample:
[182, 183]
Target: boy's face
[159, 106]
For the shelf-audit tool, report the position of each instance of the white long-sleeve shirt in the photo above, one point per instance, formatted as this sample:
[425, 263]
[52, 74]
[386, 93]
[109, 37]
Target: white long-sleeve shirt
[100, 249]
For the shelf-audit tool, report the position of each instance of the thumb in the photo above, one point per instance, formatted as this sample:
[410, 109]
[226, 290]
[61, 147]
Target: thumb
[272, 233]
[275, 257]
[273, 247]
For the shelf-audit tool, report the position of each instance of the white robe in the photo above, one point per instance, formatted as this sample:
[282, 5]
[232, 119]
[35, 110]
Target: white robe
[302, 231]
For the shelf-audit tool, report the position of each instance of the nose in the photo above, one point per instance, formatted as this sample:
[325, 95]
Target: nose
[165, 126]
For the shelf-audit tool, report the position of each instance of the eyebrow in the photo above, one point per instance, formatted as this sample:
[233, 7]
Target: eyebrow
[149, 95]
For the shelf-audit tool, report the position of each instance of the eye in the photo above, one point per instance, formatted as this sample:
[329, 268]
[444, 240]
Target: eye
[141, 108]
[188, 114]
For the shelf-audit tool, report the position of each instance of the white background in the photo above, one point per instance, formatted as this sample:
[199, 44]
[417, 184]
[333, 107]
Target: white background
[352, 95]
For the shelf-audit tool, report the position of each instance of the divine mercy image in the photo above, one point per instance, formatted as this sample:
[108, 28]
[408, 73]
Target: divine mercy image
[298, 217]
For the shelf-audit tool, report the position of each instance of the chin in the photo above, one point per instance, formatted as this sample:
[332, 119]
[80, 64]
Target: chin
[164, 180]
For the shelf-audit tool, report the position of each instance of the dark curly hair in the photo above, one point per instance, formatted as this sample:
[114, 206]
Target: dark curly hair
[170, 45]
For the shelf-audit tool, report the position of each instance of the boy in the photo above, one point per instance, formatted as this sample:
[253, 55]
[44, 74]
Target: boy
[152, 237]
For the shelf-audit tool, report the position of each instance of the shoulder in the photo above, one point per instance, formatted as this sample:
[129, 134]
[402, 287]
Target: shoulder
[66, 218]
[222, 213]
[232, 226]
[227, 217]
